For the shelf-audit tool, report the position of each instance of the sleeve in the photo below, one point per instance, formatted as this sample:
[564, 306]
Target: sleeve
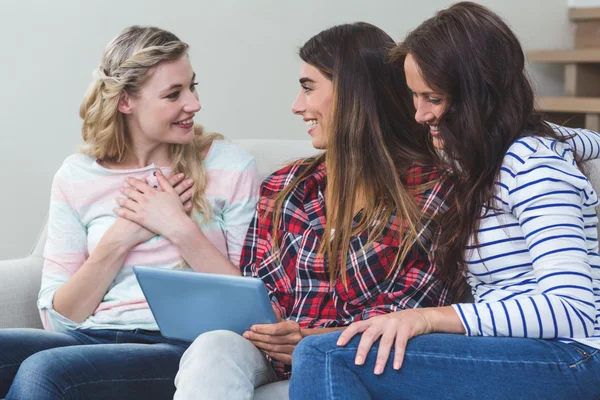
[239, 210]
[258, 259]
[547, 197]
[416, 283]
[418, 286]
[584, 142]
[65, 251]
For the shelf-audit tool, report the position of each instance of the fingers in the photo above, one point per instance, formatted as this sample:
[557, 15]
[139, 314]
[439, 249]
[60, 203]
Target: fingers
[128, 204]
[284, 358]
[183, 187]
[175, 179]
[351, 331]
[127, 214]
[278, 329]
[399, 351]
[140, 186]
[276, 348]
[366, 342]
[163, 182]
[385, 347]
[273, 339]
[131, 193]
[277, 313]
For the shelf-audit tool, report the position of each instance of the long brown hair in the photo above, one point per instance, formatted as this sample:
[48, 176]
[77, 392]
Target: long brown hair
[372, 142]
[470, 55]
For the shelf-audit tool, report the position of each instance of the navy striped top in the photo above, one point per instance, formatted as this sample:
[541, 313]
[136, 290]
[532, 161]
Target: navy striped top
[536, 269]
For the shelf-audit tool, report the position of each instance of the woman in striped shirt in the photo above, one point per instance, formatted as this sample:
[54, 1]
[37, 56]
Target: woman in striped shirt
[522, 227]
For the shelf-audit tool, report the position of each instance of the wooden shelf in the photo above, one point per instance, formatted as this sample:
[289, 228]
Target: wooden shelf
[584, 105]
[584, 14]
[564, 56]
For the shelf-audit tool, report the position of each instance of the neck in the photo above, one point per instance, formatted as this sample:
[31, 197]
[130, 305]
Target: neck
[144, 151]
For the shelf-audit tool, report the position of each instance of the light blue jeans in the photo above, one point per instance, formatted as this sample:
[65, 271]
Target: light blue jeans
[87, 364]
[445, 366]
[222, 365]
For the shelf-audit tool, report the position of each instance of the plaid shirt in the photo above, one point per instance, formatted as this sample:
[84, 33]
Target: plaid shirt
[297, 279]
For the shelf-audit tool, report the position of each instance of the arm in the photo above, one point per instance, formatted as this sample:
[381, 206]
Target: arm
[237, 215]
[584, 142]
[547, 197]
[162, 212]
[73, 284]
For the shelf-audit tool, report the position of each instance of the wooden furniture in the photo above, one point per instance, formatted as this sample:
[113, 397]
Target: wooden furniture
[580, 106]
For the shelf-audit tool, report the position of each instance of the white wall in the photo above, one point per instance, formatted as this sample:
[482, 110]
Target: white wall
[583, 3]
[244, 52]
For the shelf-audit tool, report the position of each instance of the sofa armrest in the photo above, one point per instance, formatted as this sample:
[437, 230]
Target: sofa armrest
[20, 282]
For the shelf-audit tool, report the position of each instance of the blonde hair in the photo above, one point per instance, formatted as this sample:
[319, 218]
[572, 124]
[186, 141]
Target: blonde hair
[126, 65]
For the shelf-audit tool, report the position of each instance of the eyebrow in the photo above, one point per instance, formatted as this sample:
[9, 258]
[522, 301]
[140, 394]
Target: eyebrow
[423, 93]
[176, 86]
[305, 80]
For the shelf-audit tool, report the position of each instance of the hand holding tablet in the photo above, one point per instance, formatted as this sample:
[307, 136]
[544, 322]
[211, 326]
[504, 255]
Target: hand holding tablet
[186, 304]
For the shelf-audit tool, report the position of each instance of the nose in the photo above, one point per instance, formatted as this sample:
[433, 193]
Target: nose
[192, 104]
[423, 114]
[299, 106]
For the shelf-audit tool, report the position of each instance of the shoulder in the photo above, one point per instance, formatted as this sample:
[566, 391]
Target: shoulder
[75, 165]
[537, 162]
[418, 174]
[529, 150]
[281, 178]
[225, 154]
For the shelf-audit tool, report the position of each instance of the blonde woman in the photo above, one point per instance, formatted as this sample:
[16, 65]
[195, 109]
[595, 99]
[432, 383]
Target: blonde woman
[101, 341]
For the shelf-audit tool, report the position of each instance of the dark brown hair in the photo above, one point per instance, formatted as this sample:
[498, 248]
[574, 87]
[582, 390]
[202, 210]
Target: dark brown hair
[470, 55]
[372, 141]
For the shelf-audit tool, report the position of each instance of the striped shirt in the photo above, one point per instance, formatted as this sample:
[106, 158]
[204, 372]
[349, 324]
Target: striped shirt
[535, 271]
[81, 211]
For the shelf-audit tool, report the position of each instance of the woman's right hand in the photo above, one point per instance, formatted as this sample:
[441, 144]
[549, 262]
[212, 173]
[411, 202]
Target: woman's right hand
[133, 233]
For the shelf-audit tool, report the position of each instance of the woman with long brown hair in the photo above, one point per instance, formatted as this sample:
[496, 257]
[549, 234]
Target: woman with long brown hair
[520, 224]
[336, 238]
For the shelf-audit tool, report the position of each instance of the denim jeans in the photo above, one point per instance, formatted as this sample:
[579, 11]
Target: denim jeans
[222, 365]
[445, 366]
[87, 364]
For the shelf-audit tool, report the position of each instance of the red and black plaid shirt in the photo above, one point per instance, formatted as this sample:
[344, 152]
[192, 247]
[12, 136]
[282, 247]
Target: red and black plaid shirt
[297, 279]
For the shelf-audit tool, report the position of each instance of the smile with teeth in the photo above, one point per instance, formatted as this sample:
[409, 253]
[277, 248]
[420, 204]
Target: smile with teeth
[434, 128]
[311, 122]
[186, 122]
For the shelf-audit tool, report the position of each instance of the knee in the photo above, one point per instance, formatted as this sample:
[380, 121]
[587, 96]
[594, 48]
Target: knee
[311, 349]
[214, 344]
[40, 376]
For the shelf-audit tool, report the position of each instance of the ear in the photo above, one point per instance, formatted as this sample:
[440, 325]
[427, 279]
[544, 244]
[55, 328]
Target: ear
[124, 105]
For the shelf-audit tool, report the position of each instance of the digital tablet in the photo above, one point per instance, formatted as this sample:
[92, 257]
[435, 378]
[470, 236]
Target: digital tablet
[186, 304]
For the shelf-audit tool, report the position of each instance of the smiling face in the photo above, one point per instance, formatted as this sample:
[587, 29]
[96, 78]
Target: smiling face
[314, 104]
[430, 105]
[163, 110]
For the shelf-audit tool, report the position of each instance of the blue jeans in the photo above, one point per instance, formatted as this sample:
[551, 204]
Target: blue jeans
[445, 366]
[88, 364]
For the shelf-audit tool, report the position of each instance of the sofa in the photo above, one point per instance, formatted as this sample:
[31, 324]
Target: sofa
[20, 278]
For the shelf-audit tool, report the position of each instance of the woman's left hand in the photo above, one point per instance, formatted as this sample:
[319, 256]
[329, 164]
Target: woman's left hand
[394, 329]
[157, 209]
[278, 340]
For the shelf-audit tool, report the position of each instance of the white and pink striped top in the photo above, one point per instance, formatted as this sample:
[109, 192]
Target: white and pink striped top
[81, 211]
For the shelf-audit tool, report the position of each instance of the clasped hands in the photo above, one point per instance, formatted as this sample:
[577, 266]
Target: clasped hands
[154, 210]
